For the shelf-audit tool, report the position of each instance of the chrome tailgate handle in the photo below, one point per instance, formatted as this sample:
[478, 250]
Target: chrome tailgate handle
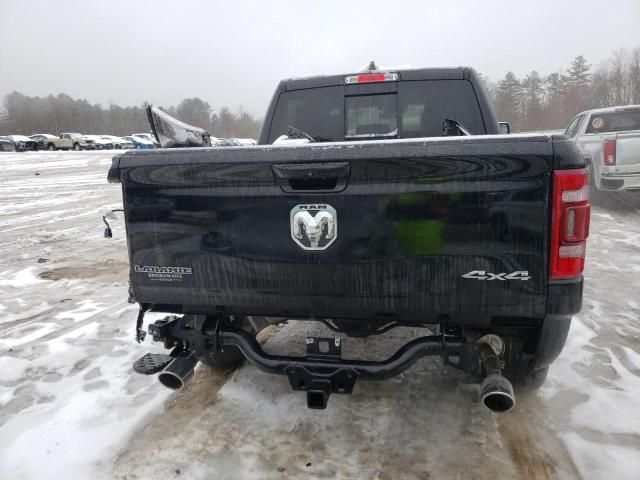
[312, 177]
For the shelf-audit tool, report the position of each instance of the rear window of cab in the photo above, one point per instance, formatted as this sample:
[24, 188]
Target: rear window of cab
[614, 122]
[417, 109]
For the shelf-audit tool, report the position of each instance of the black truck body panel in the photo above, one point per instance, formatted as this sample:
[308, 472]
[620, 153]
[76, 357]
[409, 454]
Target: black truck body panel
[208, 229]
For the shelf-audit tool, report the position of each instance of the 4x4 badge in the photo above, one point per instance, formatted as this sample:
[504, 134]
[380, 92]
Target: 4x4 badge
[482, 275]
[314, 226]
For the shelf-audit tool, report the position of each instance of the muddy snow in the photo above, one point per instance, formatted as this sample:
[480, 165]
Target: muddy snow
[71, 407]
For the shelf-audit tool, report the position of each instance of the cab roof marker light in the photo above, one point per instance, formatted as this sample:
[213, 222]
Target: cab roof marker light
[371, 78]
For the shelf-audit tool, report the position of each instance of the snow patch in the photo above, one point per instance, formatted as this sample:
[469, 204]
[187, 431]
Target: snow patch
[12, 368]
[20, 279]
[597, 460]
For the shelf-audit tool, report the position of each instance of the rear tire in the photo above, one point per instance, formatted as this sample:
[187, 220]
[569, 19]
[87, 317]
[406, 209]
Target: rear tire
[525, 379]
[528, 356]
[232, 358]
[224, 361]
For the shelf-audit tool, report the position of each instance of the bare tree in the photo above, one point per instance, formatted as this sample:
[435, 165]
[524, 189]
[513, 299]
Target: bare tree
[617, 78]
[634, 75]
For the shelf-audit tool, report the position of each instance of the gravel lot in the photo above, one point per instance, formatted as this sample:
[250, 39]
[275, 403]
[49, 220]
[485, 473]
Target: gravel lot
[70, 406]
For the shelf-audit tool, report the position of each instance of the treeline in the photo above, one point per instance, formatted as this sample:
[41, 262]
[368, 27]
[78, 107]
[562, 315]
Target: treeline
[536, 102]
[223, 124]
[55, 114]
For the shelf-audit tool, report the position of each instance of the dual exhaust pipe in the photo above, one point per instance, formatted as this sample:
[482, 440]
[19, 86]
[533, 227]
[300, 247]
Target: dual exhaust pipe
[496, 391]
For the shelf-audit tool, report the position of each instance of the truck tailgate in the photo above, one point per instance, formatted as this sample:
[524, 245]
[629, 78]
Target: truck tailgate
[628, 152]
[425, 229]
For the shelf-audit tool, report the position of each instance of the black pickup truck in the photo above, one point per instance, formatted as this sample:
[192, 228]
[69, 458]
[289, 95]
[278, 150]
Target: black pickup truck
[373, 200]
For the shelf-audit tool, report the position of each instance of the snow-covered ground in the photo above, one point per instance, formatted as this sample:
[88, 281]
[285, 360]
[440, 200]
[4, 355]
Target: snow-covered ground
[70, 406]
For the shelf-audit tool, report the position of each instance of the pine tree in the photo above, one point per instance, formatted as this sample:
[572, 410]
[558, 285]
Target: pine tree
[555, 101]
[578, 74]
[578, 83]
[531, 104]
[507, 103]
[194, 111]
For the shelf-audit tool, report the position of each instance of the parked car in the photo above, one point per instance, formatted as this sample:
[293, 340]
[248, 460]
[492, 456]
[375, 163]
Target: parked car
[246, 141]
[227, 142]
[100, 142]
[7, 145]
[119, 143]
[362, 235]
[23, 143]
[233, 142]
[140, 143]
[79, 141]
[50, 142]
[148, 137]
[609, 141]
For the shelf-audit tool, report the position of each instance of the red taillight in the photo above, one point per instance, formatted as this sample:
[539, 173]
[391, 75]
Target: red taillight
[371, 78]
[609, 149]
[569, 223]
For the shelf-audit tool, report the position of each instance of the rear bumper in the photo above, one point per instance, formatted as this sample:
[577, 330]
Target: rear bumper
[620, 182]
[565, 297]
[553, 336]
[563, 301]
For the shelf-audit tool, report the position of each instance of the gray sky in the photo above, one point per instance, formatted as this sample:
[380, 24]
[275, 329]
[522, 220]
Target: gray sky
[234, 52]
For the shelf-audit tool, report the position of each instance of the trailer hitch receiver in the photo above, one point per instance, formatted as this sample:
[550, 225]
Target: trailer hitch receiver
[320, 382]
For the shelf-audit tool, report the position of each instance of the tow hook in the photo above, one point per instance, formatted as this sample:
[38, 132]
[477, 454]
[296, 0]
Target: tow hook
[496, 391]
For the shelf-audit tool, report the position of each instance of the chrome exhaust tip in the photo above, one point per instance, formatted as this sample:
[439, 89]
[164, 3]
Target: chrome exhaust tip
[176, 375]
[496, 394]
[496, 391]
